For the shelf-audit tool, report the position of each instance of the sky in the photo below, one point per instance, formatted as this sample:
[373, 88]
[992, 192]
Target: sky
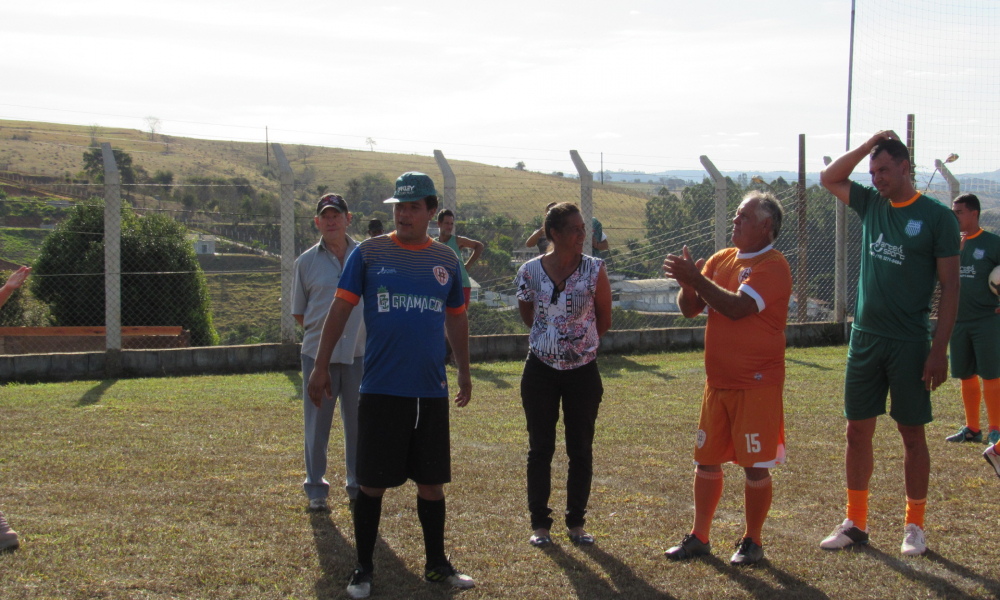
[650, 84]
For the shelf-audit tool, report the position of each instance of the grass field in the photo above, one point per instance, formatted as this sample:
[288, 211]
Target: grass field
[190, 488]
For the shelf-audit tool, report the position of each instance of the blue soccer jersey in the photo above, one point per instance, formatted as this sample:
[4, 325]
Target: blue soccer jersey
[407, 290]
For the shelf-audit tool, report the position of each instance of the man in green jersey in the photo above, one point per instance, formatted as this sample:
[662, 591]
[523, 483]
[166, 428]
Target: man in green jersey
[975, 352]
[446, 224]
[910, 242]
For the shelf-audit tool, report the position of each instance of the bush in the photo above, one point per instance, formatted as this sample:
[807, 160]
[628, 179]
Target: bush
[161, 283]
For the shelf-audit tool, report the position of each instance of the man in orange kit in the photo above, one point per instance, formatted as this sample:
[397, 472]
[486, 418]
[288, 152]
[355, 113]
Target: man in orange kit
[746, 290]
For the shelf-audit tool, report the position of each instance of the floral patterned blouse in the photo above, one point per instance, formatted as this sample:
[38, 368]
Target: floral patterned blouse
[564, 334]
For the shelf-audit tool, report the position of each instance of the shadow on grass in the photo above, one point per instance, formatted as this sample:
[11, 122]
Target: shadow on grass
[337, 558]
[758, 588]
[590, 585]
[807, 364]
[487, 375]
[94, 394]
[624, 579]
[295, 378]
[991, 585]
[909, 569]
[612, 365]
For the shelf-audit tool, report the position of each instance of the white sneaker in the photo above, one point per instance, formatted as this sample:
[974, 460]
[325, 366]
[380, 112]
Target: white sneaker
[8, 537]
[318, 505]
[914, 543]
[360, 585]
[991, 457]
[448, 574]
[846, 534]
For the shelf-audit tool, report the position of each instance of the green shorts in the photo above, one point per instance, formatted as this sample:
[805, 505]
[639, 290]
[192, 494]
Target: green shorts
[878, 366]
[975, 348]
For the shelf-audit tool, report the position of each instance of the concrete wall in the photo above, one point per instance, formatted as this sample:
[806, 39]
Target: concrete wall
[277, 357]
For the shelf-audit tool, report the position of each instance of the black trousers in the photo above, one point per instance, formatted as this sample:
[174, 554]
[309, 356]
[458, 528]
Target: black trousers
[580, 391]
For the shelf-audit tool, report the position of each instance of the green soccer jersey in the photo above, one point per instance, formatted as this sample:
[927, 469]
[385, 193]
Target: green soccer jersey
[980, 255]
[901, 245]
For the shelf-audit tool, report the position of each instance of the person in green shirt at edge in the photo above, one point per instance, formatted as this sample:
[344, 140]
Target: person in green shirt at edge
[910, 242]
[446, 223]
[974, 349]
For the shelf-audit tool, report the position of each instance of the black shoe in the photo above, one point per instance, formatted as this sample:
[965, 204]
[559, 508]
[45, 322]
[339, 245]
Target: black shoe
[747, 553]
[445, 573]
[361, 583]
[689, 547]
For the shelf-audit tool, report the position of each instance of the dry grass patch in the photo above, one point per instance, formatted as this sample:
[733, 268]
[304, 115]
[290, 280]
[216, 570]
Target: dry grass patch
[190, 488]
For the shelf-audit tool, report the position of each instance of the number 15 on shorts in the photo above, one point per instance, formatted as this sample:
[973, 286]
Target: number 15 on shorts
[753, 444]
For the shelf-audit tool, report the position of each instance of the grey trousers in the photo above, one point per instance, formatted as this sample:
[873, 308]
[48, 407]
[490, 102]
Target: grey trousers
[346, 383]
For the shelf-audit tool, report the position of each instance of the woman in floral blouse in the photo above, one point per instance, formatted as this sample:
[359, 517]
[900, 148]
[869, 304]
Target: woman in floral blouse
[565, 298]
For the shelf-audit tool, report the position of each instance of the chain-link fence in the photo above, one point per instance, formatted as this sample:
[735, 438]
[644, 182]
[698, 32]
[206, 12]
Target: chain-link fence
[200, 258]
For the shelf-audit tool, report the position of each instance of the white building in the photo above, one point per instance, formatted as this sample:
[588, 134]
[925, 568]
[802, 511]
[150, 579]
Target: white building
[647, 295]
[203, 243]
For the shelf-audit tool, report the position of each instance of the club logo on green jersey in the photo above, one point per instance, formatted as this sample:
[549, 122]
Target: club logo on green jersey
[913, 227]
[979, 253]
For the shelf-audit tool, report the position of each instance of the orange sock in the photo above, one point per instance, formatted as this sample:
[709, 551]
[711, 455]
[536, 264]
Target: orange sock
[970, 397]
[857, 508]
[757, 497]
[707, 492]
[915, 511]
[991, 394]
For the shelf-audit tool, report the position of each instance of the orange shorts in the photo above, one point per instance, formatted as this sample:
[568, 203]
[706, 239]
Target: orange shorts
[746, 427]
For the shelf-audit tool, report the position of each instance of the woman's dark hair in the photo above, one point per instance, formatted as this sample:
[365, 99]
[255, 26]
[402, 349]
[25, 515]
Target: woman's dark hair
[557, 216]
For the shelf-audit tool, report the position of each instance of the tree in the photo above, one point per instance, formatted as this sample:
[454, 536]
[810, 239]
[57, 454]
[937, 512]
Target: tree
[94, 129]
[365, 194]
[165, 179]
[371, 143]
[153, 125]
[93, 164]
[161, 282]
[321, 189]
[519, 166]
[304, 152]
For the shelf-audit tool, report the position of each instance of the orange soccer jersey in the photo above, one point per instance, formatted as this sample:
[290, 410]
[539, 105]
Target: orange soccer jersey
[748, 352]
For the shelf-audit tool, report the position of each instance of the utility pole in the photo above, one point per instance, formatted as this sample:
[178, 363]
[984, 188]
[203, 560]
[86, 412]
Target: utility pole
[267, 144]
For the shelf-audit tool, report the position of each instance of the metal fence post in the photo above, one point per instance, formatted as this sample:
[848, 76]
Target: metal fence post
[112, 262]
[953, 184]
[450, 199]
[721, 197]
[287, 251]
[586, 199]
[911, 141]
[801, 283]
[840, 265]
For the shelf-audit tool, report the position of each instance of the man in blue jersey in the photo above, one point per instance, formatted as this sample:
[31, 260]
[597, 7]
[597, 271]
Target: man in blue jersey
[412, 291]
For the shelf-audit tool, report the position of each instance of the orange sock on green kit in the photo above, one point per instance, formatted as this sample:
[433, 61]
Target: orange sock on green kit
[857, 508]
[970, 398]
[991, 396]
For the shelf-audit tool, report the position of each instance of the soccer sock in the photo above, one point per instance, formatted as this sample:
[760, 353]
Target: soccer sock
[757, 497]
[707, 493]
[970, 397]
[915, 511]
[857, 508]
[991, 394]
[432, 516]
[367, 514]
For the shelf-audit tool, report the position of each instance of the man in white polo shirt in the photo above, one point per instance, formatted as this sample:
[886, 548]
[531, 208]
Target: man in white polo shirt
[317, 274]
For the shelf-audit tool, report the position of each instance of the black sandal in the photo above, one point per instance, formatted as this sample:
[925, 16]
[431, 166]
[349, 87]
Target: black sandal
[540, 541]
[584, 539]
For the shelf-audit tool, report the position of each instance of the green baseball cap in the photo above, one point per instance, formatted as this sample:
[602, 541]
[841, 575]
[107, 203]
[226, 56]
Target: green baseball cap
[411, 187]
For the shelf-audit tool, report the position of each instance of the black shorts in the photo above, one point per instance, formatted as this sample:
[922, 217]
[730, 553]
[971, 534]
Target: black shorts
[402, 438]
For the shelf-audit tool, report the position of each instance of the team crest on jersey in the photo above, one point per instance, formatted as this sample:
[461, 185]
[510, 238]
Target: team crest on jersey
[383, 299]
[913, 227]
[441, 274]
[700, 437]
[979, 253]
[745, 274]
